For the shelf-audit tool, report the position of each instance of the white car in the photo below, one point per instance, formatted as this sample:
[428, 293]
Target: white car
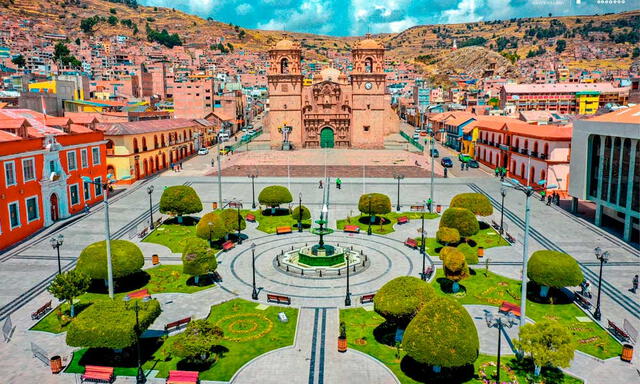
[203, 151]
[416, 136]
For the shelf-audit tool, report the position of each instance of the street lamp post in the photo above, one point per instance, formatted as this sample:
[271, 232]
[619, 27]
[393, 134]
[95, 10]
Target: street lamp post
[398, 177]
[370, 217]
[498, 323]
[150, 191]
[347, 299]
[432, 142]
[56, 243]
[140, 378]
[219, 173]
[603, 257]
[253, 190]
[422, 274]
[254, 293]
[238, 205]
[503, 192]
[300, 212]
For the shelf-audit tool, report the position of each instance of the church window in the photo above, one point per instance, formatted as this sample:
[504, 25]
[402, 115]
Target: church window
[368, 65]
[284, 66]
[366, 128]
[368, 106]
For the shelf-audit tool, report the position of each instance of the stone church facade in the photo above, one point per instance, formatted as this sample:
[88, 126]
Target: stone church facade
[336, 110]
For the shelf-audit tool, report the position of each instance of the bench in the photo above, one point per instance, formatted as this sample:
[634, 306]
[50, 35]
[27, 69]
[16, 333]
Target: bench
[141, 294]
[227, 245]
[250, 217]
[282, 230]
[364, 299]
[183, 377]
[98, 374]
[279, 299]
[510, 238]
[582, 301]
[176, 324]
[495, 225]
[352, 228]
[411, 243]
[417, 208]
[403, 220]
[617, 331]
[428, 272]
[143, 233]
[507, 307]
[41, 311]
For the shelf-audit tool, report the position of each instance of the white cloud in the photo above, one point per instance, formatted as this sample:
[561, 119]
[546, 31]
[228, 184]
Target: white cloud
[244, 9]
[465, 12]
[311, 15]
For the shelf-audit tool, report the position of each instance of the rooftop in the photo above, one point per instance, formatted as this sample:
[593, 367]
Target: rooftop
[629, 115]
[562, 88]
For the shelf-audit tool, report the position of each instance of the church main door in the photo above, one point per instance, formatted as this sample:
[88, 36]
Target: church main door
[326, 138]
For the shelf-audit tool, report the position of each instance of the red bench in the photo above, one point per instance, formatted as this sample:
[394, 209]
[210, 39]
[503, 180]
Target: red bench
[507, 307]
[282, 230]
[279, 299]
[510, 238]
[367, 298]
[176, 324]
[250, 217]
[403, 220]
[98, 374]
[141, 294]
[417, 207]
[352, 228]
[41, 311]
[183, 377]
[227, 245]
[411, 243]
[617, 331]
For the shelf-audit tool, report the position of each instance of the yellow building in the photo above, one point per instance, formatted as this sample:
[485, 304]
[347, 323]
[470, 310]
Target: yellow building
[62, 87]
[469, 140]
[588, 102]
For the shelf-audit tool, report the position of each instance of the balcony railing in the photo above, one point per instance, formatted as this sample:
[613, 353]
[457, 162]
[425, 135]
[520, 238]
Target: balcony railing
[534, 154]
[524, 151]
[543, 156]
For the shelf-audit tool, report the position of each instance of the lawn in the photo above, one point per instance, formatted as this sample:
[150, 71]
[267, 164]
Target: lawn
[367, 332]
[268, 224]
[492, 289]
[172, 236]
[391, 219]
[249, 332]
[486, 238]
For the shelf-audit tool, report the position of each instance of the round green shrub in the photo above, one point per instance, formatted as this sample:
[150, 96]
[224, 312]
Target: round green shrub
[442, 334]
[380, 204]
[180, 200]
[198, 258]
[215, 232]
[126, 259]
[231, 219]
[554, 269]
[455, 265]
[306, 214]
[447, 235]
[401, 298]
[274, 195]
[477, 203]
[470, 254]
[461, 219]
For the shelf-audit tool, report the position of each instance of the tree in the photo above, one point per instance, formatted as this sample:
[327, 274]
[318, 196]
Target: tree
[112, 20]
[636, 52]
[273, 196]
[442, 334]
[112, 11]
[306, 214]
[69, 285]
[231, 219]
[198, 258]
[87, 24]
[400, 299]
[549, 343]
[561, 45]
[19, 61]
[461, 219]
[60, 51]
[374, 204]
[553, 269]
[179, 200]
[126, 259]
[455, 266]
[77, 41]
[214, 232]
[447, 236]
[477, 203]
[197, 341]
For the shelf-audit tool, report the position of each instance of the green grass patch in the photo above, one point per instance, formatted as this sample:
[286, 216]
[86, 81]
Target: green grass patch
[387, 226]
[486, 238]
[268, 224]
[172, 236]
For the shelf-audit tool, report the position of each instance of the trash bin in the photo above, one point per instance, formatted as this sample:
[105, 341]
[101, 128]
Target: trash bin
[438, 208]
[480, 252]
[627, 353]
[155, 260]
[56, 364]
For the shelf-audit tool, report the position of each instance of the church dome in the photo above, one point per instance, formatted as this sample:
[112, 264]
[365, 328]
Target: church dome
[368, 43]
[330, 74]
[285, 45]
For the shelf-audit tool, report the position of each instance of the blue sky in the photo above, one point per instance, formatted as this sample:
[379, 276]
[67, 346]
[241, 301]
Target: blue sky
[357, 17]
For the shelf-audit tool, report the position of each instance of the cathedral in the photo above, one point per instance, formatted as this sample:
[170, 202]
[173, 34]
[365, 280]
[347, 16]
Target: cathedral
[336, 109]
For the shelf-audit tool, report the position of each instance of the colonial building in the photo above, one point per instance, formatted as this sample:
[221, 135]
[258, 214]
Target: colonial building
[334, 110]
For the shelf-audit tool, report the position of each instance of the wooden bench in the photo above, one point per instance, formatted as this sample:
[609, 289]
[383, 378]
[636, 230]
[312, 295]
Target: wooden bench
[279, 299]
[227, 245]
[352, 228]
[507, 307]
[183, 377]
[98, 374]
[403, 220]
[428, 272]
[250, 217]
[510, 238]
[617, 331]
[411, 243]
[364, 299]
[495, 225]
[582, 301]
[283, 230]
[141, 294]
[41, 311]
[176, 324]
[417, 208]
[143, 233]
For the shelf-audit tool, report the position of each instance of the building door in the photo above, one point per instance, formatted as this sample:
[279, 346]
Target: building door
[326, 138]
[54, 207]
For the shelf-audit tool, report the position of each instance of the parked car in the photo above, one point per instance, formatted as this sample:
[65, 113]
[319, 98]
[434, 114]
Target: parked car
[203, 151]
[416, 136]
[464, 157]
[446, 162]
[473, 164]
[434, 152]
[225, 150]
[245, 137]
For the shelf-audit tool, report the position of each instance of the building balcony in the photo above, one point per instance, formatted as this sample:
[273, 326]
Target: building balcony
[543, 156]
[534, 154]
[524, 151]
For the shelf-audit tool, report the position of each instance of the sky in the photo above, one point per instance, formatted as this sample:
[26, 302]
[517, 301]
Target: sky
[357, 17]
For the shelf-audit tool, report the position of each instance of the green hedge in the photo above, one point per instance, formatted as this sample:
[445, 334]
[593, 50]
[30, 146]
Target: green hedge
[554, 269]
[126, 259]
[401, 298]
[306, 214]
[230, 218]
[274, 195]
[477, 203]
[380, 204]
[442, 334]
[216, 232]
[180, 200]
[108, 324]
[461, 219]
[446, 235]
[198, 258]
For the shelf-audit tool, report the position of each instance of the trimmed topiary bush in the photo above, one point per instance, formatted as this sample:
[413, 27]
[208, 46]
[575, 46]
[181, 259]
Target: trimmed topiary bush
[477, 203]
[198, 258]
[126, 259]
[442, 334]
[401, 298]
[306, 214]
[461, 219]
[180, 200]
[231, 220]
[274, 195]
[470, 254]
[553, 269]
[215, 232]
[447, 235]
[455, 266]
[380, 204]
[109, 324]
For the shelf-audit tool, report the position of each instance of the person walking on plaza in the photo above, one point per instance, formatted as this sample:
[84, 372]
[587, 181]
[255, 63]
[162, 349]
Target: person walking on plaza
[635, 284]
[497, 171]
[462, 165]
[212, 162]
[429, 203]
[542, 194]
[320, 184]
[338, 183]
[549, 197]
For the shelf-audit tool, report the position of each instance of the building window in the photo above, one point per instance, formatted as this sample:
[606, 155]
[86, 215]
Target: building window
[95, 155]
[32, 209]
[84, 158]
[98, 186]
[71, 161]
[73, 193]
[594, 166]
[28, 170]
[52, 166]
[87, 191]
[14, 215]
[10, 173]
[366, 128]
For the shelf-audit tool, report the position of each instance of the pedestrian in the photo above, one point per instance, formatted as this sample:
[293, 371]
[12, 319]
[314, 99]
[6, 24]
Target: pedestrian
[497, 171]
[635, 284]
[466, 166]
[320, 184]
[587, 289]
[549, 197]
[557, 198]
[445, 173]
[338, 183]
[86, 208]
[181, 165]
[212, 162]
[542, 194]
[462, 165]
[429, 202]
[172, 168]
